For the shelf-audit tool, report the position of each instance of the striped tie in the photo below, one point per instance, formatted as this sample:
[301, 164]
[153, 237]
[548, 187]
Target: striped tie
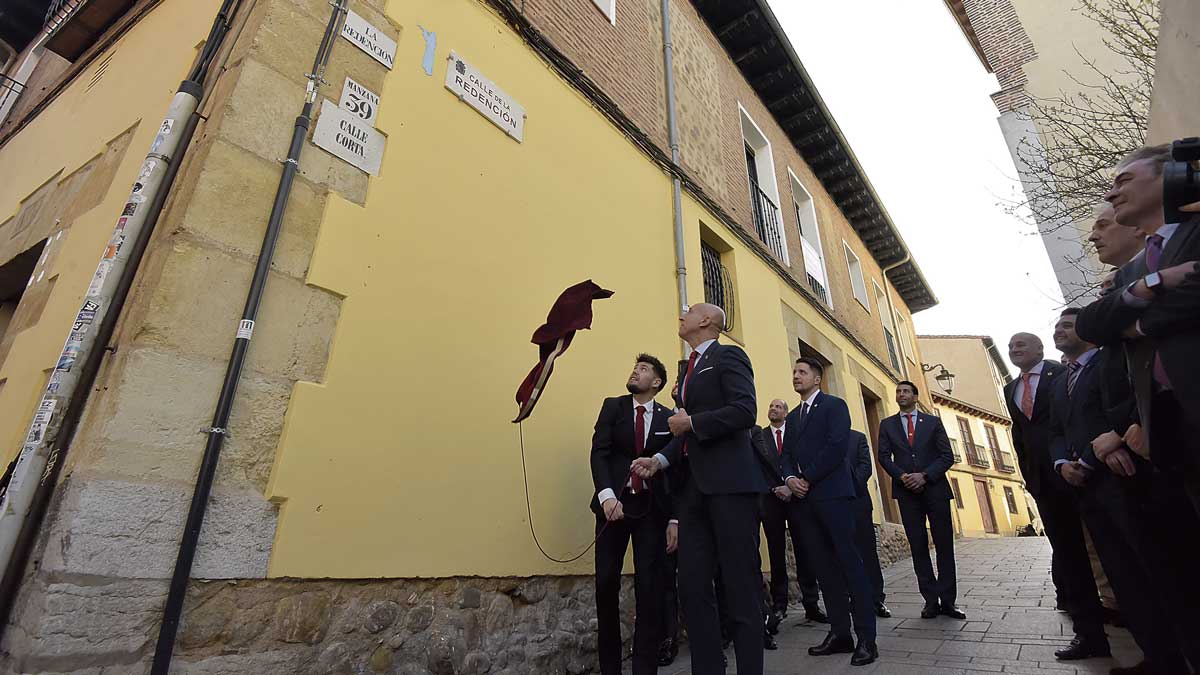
[1073, 369]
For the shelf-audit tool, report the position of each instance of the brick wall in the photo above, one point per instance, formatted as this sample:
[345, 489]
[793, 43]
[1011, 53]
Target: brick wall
[625, 60]
[1007, 46]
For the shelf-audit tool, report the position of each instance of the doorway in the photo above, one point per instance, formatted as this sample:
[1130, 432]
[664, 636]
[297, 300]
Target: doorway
[985, 507]
[872, 405]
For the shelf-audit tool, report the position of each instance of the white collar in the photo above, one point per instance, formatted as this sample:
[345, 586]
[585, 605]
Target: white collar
[811, 397]
[1087, 356]
[703, 347]
[914, 413]
[649, 404]
[1037, 370]
[781, 427]
[1166, 231]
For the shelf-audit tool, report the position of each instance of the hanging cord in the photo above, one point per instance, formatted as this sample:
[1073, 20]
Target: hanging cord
[529, 509]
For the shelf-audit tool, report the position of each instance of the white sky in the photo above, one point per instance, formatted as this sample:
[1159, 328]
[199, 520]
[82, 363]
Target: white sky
[914, 102]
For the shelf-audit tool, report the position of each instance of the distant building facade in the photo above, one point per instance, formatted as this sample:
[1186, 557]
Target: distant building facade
[989, 492]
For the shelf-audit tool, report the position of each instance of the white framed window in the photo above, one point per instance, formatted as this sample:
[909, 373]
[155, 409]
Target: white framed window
[609, 8]
[904, 334]
[857, 281]
[764, 189]
[889, 330]
[810, 240]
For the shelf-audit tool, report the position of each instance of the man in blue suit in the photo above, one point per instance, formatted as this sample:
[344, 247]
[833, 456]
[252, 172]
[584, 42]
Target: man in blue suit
[915, 450]
[815, 445]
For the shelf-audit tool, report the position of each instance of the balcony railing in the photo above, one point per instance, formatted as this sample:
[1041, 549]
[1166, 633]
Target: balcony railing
[818, 289]
[975, 456]
[1005, 465]
[767, 220]
[954, 448]
[10, 89]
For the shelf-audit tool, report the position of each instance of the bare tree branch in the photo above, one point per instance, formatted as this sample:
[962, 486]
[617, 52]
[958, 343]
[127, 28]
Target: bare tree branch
[1083, 134]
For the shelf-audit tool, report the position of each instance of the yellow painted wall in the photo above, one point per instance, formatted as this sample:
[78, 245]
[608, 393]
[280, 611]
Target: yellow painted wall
[403, 462]
[147, 65]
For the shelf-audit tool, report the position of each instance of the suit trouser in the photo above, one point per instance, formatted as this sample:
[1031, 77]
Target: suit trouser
[1069, 561]
[720, 531]
[1175, 443]
[1173, 527]
[1132, 560]
[775, 526]
[828, 527]
[864, 540]
[670, 597]
[1108, 597]
[649, 545]
[915, 508]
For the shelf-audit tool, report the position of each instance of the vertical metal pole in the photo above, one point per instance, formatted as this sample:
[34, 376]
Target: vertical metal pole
[173, 609]
[673, 139]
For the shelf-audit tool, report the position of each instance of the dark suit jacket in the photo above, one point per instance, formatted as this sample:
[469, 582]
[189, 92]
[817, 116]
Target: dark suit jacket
[1171, 324]
[720, 400]
[613, 449]
[770, 458]
[816, 448]
[930, 454]
[858, 458]
[1031, 437]
[1079, 418]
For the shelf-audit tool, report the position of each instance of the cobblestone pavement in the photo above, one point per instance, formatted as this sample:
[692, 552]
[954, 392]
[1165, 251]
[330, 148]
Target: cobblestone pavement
[1012, 627]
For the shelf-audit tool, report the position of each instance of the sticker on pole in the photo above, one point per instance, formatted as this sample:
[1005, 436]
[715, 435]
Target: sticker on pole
[245, 329]
[41, 420]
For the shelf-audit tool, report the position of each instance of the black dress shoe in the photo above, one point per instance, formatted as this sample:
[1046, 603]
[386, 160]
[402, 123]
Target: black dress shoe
[773, 620]
[813, 613]
[930, 610]
[769, 642]
[667, 651]
[1081, 648]
[865, 653]
[882, 611]
[833, 644]
[953, 612]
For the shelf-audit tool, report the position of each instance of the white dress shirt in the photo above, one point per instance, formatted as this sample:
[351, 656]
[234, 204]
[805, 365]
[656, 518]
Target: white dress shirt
[648, 416]
[807, 402]
[1019, 391]
[700, 349]
[782, 429]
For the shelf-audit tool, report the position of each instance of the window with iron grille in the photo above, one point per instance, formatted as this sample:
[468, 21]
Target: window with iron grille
[1011, 498]
[954, 448]
[998, 459]
[957, 495]
[718, 285]
[974, 456]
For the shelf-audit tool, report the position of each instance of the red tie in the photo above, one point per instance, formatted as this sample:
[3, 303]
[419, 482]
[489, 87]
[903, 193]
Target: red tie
[779, 441]
[636, 484]
[1027, 395]
[909, 424]
[688, 375]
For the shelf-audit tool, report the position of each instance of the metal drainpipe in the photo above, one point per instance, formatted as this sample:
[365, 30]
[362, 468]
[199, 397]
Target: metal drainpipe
[173, 609]
[65, 396]
[887, 292]
[673, 139]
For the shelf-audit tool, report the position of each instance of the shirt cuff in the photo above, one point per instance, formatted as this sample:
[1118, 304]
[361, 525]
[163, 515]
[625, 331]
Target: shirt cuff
[1132, 300]
[1059, 463]
[673, 521]
[1085, 464]
[605, 495]
[662, 460]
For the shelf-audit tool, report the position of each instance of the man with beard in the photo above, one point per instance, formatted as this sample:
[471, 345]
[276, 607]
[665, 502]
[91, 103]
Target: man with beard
[630, 507]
